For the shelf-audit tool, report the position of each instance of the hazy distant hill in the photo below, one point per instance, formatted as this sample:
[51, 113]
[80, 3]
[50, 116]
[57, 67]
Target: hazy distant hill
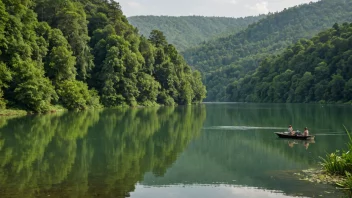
[188, 31]
[232, 57]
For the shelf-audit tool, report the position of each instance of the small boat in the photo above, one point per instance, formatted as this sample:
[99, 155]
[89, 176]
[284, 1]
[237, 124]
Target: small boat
[299, 137]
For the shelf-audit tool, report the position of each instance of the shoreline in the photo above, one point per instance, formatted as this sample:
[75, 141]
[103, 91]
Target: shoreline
[321, 177]
[19, 113]
[12, 113]
[55, 109]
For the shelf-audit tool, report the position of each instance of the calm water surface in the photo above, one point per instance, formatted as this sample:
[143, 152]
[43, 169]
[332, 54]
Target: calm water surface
[210, 150]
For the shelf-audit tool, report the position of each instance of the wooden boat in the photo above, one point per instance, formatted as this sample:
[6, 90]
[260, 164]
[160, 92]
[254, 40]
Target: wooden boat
[298, 137]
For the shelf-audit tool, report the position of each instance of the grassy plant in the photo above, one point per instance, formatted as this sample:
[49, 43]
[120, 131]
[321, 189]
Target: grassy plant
[12, 112]
[336, 163]
[340, 163]
[347, 183]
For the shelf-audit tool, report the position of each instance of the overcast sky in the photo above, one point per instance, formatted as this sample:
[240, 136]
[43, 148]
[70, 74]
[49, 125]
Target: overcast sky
[228, 8]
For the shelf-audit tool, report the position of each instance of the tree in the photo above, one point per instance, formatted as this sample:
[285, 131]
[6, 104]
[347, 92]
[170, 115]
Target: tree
[5, 78]
[199, 90]
[336, 87]
[316, 70]
[50, 63]
[148, 88]
[32, 90]
[61, 65]
[157, 38]
[348, 90]
[75, 95]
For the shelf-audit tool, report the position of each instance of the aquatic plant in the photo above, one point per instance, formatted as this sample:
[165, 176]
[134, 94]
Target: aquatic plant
[336, 163]
[340, 163]
[347, 183]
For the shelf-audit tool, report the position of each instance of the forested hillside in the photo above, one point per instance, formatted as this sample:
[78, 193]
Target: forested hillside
[229, 58]
[316, 70]
[83, 53]
[187, 31]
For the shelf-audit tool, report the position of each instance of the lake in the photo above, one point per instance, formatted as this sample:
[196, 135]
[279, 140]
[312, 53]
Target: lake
[207, 150]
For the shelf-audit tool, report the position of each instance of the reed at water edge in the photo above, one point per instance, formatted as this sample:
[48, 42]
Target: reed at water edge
[340, 163]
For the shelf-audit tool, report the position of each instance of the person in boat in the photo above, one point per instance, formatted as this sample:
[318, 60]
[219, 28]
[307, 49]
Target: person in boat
[306, 132]
[290, 130]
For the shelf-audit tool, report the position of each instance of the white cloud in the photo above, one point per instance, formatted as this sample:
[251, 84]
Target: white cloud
[233, 2]
[133, 4]
[260, 8]
[230, 8]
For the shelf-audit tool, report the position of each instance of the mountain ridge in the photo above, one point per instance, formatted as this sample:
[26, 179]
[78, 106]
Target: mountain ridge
[226, 59]
[187, 31]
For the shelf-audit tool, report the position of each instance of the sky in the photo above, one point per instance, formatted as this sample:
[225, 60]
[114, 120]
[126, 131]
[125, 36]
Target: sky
[226, 8]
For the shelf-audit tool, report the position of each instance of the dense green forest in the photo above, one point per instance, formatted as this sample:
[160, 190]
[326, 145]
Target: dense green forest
[226, 59]
[83, 53]
[187, 31]
[316, 70]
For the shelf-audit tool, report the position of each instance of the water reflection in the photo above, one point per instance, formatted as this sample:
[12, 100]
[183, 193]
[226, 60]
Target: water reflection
[238, 148]
[251, 159]
[134, 152]
[318, 118]
[205, 191]
[304, 143]
[92, 153]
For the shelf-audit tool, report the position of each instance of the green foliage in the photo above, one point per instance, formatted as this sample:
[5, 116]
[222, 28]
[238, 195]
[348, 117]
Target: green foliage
[199, 89]
[187, 31]
[148, 88]
[347, 184]
[32, 89]
[230, 58]
[60, 62]
[309, 71]
[157, 38]
[75, 95]
[70, 17]
[5, 77]
[61, 66]
[164, 98]
[22, 52]
[340, 163]
[131, 70]
[336, 163]
[75, 52]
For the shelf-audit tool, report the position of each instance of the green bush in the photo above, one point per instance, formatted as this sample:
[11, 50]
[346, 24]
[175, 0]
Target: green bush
[347, 183]
[336, 163]
[340, 163]
[31, 88]
[165, 99]
[76, 96]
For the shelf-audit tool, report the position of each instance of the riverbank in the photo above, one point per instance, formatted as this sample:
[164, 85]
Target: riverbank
[12, 112]
[336, 169]
[320, 176]
[20, 112]
[58, 108]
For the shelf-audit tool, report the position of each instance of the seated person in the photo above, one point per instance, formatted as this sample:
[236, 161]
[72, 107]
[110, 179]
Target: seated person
[306, 132]
[290, 130]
